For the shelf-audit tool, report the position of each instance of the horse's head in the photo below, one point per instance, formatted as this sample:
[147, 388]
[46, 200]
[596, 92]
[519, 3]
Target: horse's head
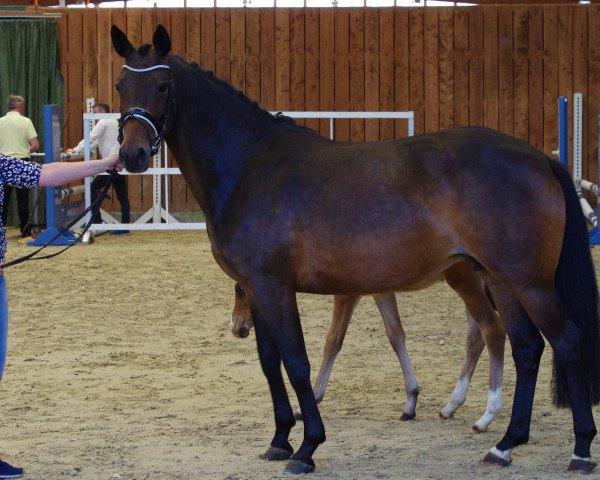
[147, 103]
[241, 318]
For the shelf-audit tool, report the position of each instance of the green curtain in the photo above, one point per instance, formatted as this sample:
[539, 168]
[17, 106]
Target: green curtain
[30, 67]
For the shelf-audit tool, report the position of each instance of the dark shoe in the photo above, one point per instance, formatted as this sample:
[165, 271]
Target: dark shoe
[8, 471]
[119, 232]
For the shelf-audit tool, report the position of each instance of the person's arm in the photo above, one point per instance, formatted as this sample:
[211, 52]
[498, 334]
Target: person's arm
[95, 135]
[34, 145]
[59, 173]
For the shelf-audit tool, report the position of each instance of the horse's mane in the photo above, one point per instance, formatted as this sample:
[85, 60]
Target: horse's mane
[277, 118]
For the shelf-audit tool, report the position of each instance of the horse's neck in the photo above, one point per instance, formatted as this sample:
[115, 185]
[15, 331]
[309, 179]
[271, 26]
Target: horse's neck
[212, 145]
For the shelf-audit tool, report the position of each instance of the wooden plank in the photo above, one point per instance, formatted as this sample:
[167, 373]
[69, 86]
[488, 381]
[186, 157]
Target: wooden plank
[253, 53]
[417, 68]
[521, 69]
[341, 92]
[62, 29]
[223, 43]
[550, 79]
[401, 69]
[446, 68]
[536, 77]
[461, 67]
[312, 66]
[103, 81]
[580, 77]
[267, 58]
[282, 59]
[207, 39]
[505, 70]
[193, 44]
[74, 95]
[476, 66]
[357, 73]
[326, 64]
[594, 91]
[238, 48]
[371, 71]
[297, 55]
[89, 49]
[490, 68]
[386, 70]
[431, 82]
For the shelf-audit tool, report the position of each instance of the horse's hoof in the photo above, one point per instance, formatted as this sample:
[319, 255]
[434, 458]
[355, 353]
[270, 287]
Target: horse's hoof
[493, 459]
[298, 467]
[476, 429]
[581, 466]
[275, 454]
[407, 416]
[444, 417]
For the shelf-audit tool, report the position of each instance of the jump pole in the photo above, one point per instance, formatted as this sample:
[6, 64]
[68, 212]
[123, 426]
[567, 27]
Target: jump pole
[54, 203]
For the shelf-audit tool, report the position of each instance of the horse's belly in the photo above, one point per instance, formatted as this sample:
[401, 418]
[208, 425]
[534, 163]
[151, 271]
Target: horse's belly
[370, 270]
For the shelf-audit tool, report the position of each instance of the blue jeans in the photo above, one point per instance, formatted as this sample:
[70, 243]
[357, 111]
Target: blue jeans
[3, 323]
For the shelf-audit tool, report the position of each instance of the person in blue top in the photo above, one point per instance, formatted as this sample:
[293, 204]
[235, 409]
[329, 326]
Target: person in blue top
[22, 174]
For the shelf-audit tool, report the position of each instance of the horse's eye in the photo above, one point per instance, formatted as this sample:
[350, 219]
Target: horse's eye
[239, 289]
[163, 87]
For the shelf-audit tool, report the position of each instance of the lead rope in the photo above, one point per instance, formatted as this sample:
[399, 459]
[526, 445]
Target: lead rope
[98, 201]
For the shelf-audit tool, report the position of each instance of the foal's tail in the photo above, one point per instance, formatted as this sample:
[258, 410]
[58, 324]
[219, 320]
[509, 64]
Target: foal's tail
[575, 281]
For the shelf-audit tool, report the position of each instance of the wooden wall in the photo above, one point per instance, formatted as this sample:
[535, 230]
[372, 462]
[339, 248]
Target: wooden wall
[498, 66]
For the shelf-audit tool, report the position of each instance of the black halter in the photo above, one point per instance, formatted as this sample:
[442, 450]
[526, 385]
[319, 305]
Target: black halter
[159, 127]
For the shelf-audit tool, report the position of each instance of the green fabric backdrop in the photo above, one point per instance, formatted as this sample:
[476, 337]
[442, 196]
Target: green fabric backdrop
[30, 67]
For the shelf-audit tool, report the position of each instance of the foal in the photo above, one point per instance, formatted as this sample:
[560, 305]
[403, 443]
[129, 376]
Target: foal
[343, 308]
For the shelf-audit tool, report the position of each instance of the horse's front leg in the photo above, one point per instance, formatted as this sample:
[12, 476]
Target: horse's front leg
[270, 361]
[277, 323]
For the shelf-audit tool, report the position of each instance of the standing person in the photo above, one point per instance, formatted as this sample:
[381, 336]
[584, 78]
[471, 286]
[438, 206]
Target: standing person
[23, 174]
[105, 135]
[18, 139]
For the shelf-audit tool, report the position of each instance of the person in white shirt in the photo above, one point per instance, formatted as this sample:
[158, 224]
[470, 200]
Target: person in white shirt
[104, 136]
[18, 139]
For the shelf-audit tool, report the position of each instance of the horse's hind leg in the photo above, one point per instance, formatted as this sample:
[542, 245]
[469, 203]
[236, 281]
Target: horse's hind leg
[527, 347]
[343, 308]
[568, 343]
[386, 302]
[483, 325]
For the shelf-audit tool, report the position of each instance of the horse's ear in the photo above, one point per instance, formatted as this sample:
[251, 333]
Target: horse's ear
[161, 41]
[119, 40]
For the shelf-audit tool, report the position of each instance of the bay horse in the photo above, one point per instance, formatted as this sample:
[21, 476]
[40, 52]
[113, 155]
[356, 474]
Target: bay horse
[280, 203]
[343, 308]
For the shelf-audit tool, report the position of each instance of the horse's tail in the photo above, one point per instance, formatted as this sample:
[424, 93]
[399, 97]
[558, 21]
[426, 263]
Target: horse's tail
[575, 281]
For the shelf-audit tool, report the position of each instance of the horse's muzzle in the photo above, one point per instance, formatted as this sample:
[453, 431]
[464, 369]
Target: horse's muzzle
[135, 160]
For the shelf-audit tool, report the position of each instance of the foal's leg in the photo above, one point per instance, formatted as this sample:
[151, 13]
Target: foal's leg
[277, 323]
[474, 347]
[467, 283]
[343, 308]
[386, 302]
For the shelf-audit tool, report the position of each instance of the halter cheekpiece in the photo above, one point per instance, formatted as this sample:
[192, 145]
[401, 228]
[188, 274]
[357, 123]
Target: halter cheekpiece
[158, 127]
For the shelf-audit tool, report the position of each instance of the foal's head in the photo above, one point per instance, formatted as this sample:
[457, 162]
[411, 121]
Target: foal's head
[241, 318]
[147, 103]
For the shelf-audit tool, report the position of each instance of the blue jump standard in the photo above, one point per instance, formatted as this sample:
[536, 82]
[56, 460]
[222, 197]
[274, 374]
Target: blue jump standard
[54, 213]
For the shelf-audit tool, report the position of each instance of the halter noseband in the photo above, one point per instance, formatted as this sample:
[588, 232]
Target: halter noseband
[159, 127]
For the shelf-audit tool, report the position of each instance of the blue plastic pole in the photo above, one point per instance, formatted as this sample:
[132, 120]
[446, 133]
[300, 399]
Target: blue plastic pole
[563, 131]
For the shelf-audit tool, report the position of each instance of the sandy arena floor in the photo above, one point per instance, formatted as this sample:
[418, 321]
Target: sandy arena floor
[121, 365]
